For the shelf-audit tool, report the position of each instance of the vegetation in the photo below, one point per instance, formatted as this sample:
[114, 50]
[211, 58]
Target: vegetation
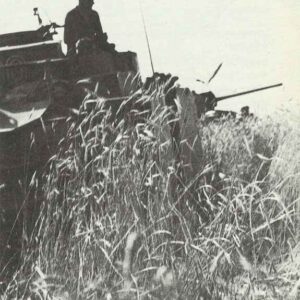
[119, 222]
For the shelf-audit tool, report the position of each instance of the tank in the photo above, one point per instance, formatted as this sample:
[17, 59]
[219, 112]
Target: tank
[40, 89]
[39, 85]
[206, 103]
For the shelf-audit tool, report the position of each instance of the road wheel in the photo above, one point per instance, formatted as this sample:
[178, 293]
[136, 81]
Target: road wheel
[16, 76]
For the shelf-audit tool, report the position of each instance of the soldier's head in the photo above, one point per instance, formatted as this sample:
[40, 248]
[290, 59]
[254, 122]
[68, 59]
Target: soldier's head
[245, 111]
[86, 4]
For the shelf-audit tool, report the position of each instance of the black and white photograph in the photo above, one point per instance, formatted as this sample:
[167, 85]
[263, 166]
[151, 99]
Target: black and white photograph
[149, 149]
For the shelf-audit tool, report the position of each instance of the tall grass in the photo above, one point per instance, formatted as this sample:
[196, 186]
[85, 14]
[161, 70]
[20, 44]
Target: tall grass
[109, 226]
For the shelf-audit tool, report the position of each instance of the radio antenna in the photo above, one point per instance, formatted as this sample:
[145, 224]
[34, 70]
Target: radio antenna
[146, 34]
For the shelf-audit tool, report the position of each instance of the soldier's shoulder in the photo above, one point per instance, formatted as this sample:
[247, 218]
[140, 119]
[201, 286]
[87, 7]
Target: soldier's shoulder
[95, 13]
[73, 12]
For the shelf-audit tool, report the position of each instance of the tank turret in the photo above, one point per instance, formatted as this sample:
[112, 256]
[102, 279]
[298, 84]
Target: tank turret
[207, 102]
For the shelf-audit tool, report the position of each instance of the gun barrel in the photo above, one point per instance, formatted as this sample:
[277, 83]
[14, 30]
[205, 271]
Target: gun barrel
[248, 92]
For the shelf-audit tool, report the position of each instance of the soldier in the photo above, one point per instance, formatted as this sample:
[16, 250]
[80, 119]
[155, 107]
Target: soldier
[245, 111]
[83, 24]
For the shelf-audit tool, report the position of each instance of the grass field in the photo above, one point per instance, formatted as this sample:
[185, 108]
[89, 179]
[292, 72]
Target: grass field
[117, 221]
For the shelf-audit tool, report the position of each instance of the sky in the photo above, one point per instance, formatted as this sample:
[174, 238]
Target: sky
[257, 41]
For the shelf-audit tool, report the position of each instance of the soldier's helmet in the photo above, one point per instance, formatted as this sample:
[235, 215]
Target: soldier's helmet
[245, 111]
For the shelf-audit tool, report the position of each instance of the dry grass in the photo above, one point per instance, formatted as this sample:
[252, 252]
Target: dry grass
[109, 227]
